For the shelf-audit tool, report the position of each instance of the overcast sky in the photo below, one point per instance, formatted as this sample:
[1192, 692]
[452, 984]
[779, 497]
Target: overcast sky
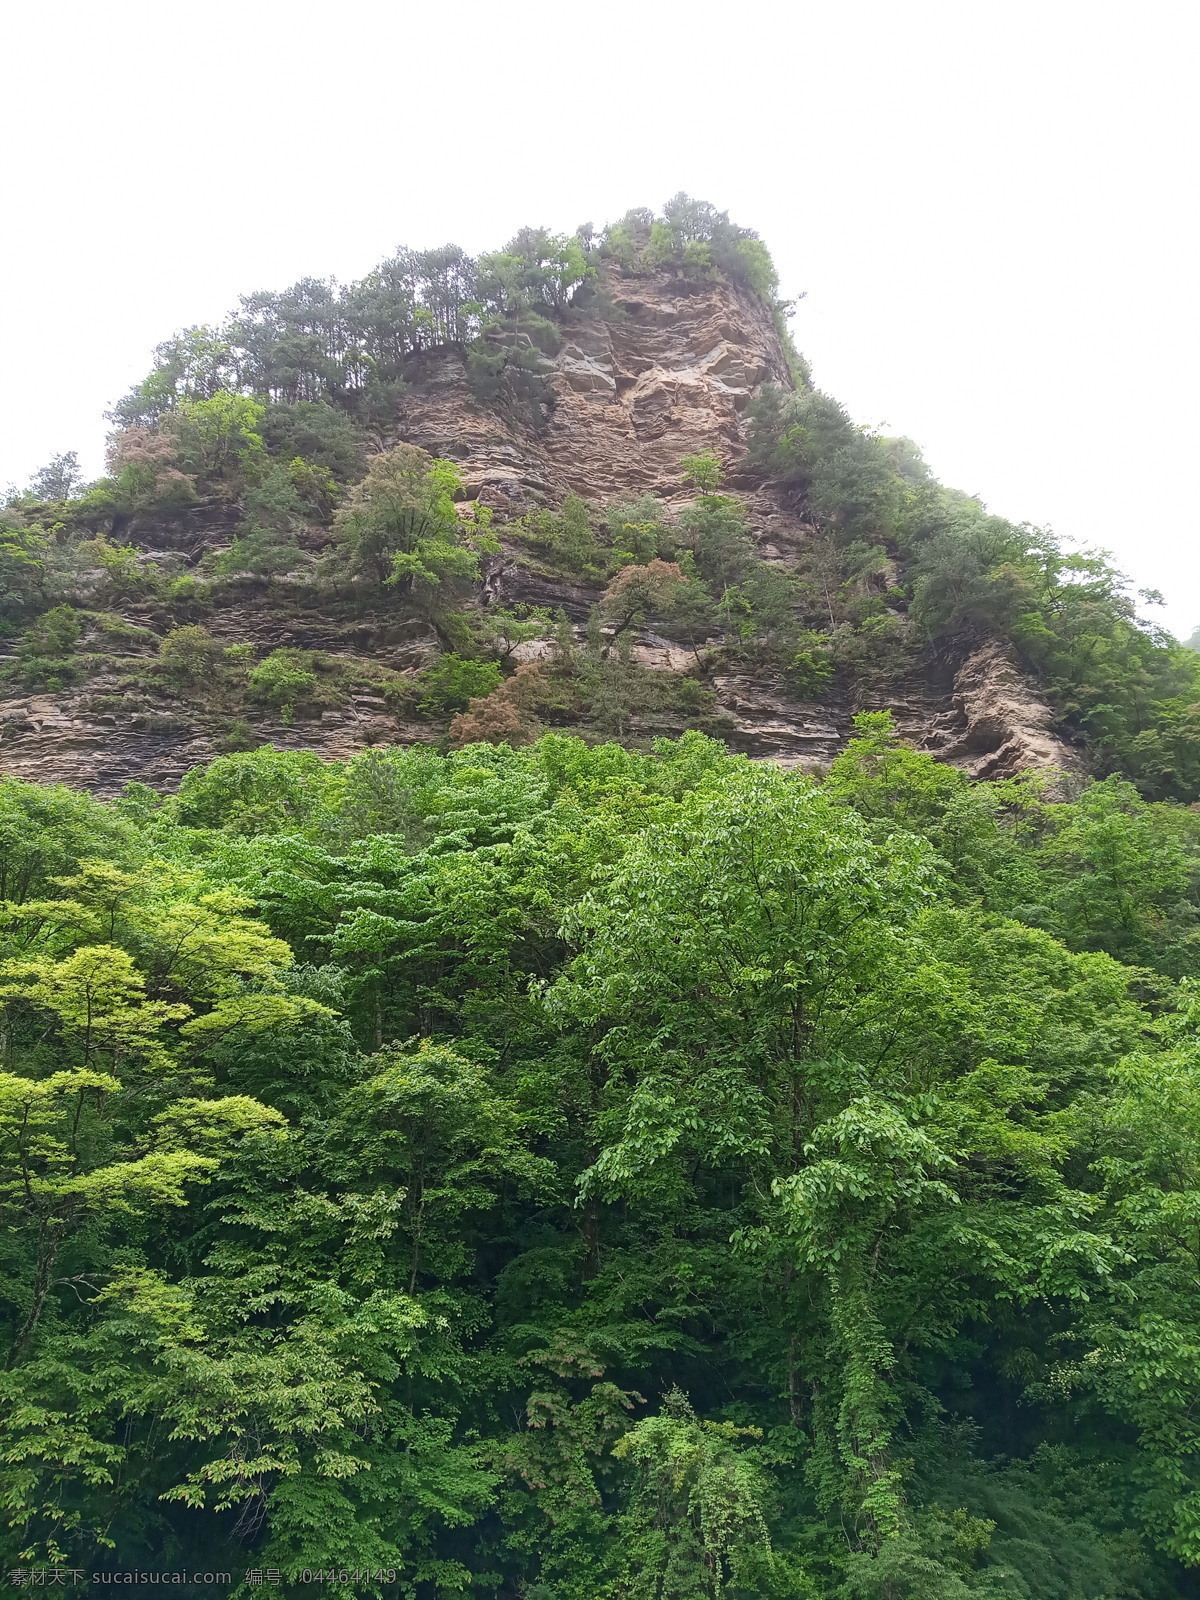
[990, 206]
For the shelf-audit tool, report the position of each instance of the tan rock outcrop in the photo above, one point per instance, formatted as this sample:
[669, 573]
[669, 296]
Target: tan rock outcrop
[667, 372]
[1006, 724]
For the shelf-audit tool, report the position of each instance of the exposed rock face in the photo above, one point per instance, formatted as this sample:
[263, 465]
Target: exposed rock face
[58, 739]
[668, 368]
[668, 372]
[106, 732]
[1005, 724]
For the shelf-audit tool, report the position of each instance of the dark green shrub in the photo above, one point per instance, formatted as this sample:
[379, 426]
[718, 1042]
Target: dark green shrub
[46, 651]
[454, 681]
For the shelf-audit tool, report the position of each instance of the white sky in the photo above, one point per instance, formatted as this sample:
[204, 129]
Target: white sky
[989, 202]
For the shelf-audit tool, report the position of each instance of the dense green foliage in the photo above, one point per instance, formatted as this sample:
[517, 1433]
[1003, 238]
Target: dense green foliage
[569, 1172]
[563, 1170]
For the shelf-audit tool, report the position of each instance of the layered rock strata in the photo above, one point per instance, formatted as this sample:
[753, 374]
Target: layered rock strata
[667, 368]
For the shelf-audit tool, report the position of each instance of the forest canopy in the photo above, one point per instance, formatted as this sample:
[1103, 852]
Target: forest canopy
[570, 1172]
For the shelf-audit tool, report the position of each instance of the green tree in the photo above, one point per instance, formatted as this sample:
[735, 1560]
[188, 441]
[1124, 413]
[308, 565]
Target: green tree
[569, 538]
[703, 472]
[59, 479]
[256, 791]
[194, 365]
[400, 526]
[218, 441]
[46, 830]
[191, 655]
[536, 269]
[277, 508]
[638, 593]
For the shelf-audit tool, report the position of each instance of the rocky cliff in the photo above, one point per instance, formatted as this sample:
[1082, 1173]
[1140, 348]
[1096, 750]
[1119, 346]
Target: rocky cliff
[662, 367]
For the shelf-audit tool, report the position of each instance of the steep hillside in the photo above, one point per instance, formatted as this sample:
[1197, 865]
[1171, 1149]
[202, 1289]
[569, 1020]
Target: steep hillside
[211, 596]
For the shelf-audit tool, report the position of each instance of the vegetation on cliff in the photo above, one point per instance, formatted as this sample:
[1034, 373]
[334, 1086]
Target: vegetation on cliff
[264, 440]
[572, 1172]
[1124, 687]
